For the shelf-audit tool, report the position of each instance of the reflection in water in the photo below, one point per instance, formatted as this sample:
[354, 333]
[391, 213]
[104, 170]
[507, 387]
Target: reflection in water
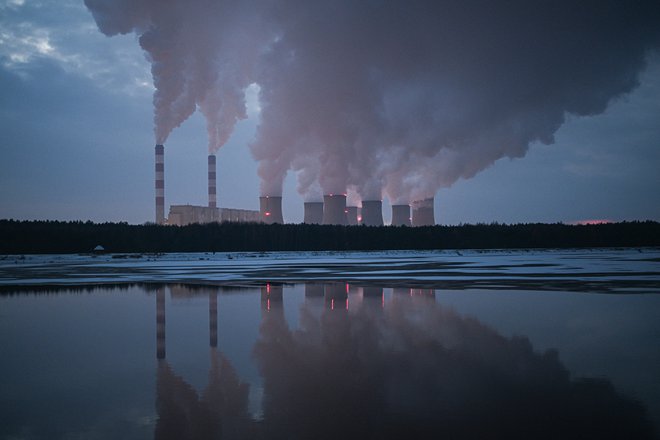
[408, 368]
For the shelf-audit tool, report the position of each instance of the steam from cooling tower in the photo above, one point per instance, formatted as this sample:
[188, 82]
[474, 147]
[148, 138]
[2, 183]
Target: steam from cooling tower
[386, 97]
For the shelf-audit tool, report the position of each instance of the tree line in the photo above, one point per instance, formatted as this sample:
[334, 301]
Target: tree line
[25, 237]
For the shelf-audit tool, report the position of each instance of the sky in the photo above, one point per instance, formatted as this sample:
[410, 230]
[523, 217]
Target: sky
[77, 129]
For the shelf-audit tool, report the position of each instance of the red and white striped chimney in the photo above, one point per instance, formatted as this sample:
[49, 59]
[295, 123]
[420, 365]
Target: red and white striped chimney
[213, 201]
[160, 184]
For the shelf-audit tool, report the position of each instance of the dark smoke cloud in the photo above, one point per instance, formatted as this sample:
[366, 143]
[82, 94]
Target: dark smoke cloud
[401, 98]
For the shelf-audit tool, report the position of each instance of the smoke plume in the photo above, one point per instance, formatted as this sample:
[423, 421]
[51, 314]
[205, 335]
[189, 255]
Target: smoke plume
[397, 98]
[202, 55]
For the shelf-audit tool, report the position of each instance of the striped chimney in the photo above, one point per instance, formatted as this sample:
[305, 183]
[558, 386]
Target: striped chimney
[160, 184]
[213, 201]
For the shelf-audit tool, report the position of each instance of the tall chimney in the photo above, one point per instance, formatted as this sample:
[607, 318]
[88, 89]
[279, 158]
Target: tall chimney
[213, 201]
[401, 215]
[313, 213]
[351, 215]
[372, 212]
[422, 212]
[160, 184]
[334, 209]
[271, 209]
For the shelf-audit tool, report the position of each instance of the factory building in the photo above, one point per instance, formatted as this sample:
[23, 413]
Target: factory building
[181, 215]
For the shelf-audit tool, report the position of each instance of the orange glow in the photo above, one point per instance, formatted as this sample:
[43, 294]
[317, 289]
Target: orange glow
[595, 221]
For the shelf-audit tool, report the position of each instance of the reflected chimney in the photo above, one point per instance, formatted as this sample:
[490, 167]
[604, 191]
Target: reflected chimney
[160, 323]
[213, 319]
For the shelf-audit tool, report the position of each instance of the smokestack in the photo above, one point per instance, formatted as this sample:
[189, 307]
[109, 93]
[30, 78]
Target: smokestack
[401, 215]
[213, 201]
[422, 212]
[334, 209]
[372, 212]
[351, 215]
[160, 184]
[313, 213]
[271, 209]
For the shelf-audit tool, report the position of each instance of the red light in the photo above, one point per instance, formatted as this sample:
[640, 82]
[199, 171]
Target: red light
[346, 211]
[268, 213]
[346, 287]
[332, 304]
[268, 304]
[346, 303]
[268, 288]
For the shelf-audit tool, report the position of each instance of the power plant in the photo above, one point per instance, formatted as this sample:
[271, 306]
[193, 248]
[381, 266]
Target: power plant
[352, 215]
[422, 212]
[372, 213]
[401, 215]
[332, 211]
[313, 213]
[270, 208]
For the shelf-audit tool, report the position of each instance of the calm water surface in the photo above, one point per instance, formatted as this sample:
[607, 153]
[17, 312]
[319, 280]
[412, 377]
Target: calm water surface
[327, 360]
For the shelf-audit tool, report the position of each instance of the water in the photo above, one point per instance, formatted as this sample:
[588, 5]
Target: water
[403, 345]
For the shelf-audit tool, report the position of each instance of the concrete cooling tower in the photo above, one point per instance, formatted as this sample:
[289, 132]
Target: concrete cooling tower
[401, 215]
[422, 212]
[160, 184]
[372, 213]
[213, 201]
[351, 215]
[270, 208]
[334, 209]
[313, 213]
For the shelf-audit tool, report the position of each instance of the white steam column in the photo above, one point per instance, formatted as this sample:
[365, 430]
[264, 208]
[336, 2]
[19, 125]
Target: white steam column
[213, 201]
[401, 215]
[422, 212]
[160, 184]
[334, 209]
[271, 209]
[372, 212]
[313, 213]
[351, 215]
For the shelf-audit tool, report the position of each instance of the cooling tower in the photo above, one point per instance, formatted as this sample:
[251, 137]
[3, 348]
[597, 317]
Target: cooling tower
[334, 209]
[160, 184]
[372, 213]
[422, 212]
[313, 213]
[351, 215]
[271, 209]
[213, 201]
[401, 215]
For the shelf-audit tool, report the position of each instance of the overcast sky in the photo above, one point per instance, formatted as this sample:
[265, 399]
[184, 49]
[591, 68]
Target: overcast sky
[77, 141]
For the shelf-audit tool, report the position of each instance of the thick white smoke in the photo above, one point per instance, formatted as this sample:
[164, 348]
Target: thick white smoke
[392, 97]
[411, 96]
[202, 55]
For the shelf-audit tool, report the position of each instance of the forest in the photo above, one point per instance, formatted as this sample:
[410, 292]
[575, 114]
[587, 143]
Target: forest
[47, 237]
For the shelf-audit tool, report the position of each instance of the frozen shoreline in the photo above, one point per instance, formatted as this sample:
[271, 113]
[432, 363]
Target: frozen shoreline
[594, 270]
